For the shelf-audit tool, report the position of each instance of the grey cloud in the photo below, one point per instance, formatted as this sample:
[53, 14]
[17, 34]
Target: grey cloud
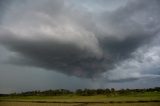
[13, 79]
[3, 7]
[129, 27]
[123, 80]
[143, 65]
[66, 58]
[77, 42]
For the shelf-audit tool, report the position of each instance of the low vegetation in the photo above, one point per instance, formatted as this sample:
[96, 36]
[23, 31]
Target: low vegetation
[84, 97]
[75, 104]
[87, 92]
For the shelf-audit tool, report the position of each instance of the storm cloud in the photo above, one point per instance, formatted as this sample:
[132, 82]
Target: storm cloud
[62, 36]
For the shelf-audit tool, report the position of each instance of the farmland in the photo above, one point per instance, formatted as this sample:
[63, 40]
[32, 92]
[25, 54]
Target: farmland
[76, 104]
[145, 98]
[72, 100]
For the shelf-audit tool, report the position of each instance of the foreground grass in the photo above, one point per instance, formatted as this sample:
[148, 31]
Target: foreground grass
[76, 104]
[141, 97]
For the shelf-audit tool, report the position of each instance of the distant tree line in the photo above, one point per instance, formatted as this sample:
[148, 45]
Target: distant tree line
[85, 92]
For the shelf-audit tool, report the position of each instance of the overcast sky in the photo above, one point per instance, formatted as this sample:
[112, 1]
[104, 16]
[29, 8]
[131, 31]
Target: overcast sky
[72, 44]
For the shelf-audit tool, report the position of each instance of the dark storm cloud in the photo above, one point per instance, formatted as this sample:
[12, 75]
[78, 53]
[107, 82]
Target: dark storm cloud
[50, 54]
[121, 50]
[55, 35]
[133, 26]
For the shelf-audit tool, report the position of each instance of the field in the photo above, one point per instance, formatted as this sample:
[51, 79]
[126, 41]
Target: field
[76, 104]
[144, 99]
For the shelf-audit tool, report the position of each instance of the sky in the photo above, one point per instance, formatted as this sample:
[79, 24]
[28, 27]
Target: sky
[77, 44]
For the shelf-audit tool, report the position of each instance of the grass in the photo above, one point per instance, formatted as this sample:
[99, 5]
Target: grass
[75, 104]
[140, 99]
[148, 96]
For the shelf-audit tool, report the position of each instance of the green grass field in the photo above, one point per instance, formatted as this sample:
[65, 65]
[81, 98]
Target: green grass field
[141, 99]
[76, 104]
[148, 96]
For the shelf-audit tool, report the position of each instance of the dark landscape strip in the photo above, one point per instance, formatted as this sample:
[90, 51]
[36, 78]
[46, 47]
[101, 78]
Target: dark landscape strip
[140, 101]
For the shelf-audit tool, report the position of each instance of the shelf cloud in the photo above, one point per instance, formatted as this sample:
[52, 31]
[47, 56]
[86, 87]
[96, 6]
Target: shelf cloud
[62, 36]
